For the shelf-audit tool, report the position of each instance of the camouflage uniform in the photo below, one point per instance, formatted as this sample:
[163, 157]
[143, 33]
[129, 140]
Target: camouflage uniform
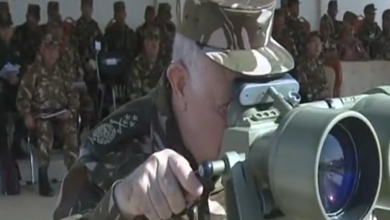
[86, 32]
[349, 47]
[126, 138]
[297, 32]
[120, 37]
[335, 26]
[383, 41]
[144, 73]
[44, 92]
[27, 39]
[53, 12]
[139, 32]
[312, 79]
[283, 35]
[167, 30]
[369, 32]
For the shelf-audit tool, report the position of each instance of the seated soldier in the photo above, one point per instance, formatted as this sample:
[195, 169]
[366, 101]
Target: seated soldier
[311, 73]
[383, 42]
[147, 68]
[349, 47]
[44, 90]
[282, 34]
[70, 62]
[330, 56]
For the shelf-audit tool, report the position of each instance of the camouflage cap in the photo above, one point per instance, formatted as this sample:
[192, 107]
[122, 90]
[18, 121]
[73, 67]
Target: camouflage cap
[332, 4]
[34, 10]
[349, 16]
[53, 7]
[164, 8]
[369, 8]
[386, 14]
[87, 2]
[119, 6]
[4, 7]
[49, 39]
[5, 20]
[236, 34]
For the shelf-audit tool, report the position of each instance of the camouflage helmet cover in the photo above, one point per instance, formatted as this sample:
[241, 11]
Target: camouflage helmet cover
[236, 34]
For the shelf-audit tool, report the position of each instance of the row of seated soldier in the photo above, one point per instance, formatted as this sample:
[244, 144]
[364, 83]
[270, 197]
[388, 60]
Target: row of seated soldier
[55, 59]
[317, 54]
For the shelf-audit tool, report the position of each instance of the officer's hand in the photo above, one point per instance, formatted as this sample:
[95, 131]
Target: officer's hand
[65, 116]
[159, 188]
[29, 122]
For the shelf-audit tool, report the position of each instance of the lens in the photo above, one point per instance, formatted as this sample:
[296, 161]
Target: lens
[337, 172]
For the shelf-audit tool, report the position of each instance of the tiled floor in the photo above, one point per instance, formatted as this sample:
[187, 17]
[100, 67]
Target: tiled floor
[29, 205]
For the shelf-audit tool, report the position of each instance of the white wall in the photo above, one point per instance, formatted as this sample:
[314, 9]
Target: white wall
[310, 9]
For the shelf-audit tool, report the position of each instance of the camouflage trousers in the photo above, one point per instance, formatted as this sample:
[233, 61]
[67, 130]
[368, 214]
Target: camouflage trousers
[66, 131]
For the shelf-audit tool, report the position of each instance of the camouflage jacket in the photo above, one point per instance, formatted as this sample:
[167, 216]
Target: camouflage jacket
[351, 49]
[383, 45]
[116, 147]
[168, 31]
[70, 63]
[284, 38]
[85, 33]
[368, 33]
[120, 38]
[41, 90]
[335, 26]
[139, 32]
[312, 79]
[297, 34]
[329, 49]
[143, 76]
[27, 42]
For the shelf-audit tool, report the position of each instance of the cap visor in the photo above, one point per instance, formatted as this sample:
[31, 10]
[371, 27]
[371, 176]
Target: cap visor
[268, 60]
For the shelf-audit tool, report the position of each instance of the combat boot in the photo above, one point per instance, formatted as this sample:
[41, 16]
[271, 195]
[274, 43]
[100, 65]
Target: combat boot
[44, 184]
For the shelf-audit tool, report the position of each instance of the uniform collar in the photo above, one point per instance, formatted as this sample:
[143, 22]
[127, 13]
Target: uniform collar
[164, 121]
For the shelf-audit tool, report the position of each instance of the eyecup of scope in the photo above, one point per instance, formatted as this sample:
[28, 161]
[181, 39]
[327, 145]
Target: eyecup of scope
[295, 155]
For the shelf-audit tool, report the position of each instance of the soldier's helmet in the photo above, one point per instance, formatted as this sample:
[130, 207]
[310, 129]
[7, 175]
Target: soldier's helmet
[236, 34]
[5, 20]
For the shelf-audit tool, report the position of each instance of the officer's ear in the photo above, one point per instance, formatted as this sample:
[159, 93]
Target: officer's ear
[177, 76]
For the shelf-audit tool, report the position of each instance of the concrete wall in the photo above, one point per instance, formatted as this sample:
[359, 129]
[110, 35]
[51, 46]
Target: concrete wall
[310, 9]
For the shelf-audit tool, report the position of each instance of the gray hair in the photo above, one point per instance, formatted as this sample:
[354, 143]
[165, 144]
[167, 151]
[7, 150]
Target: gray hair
[187, 52]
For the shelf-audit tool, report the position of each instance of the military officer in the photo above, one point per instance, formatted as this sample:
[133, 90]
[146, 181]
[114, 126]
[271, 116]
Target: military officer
[311, 73]
[349, 47]
[27, 36]
[149, 16]
[295, 26]
[383, 41]
[282, 34]
[369, 30]
[9, 170]
[119, 36]
[139, 161]
[86, 32]
[167, 29]
[329, 19]
[44, 90]
[53, 12]
[147, 68]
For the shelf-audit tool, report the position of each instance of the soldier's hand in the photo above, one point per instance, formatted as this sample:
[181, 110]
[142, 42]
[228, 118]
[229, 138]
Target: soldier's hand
[29, 122]
[160, 187]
